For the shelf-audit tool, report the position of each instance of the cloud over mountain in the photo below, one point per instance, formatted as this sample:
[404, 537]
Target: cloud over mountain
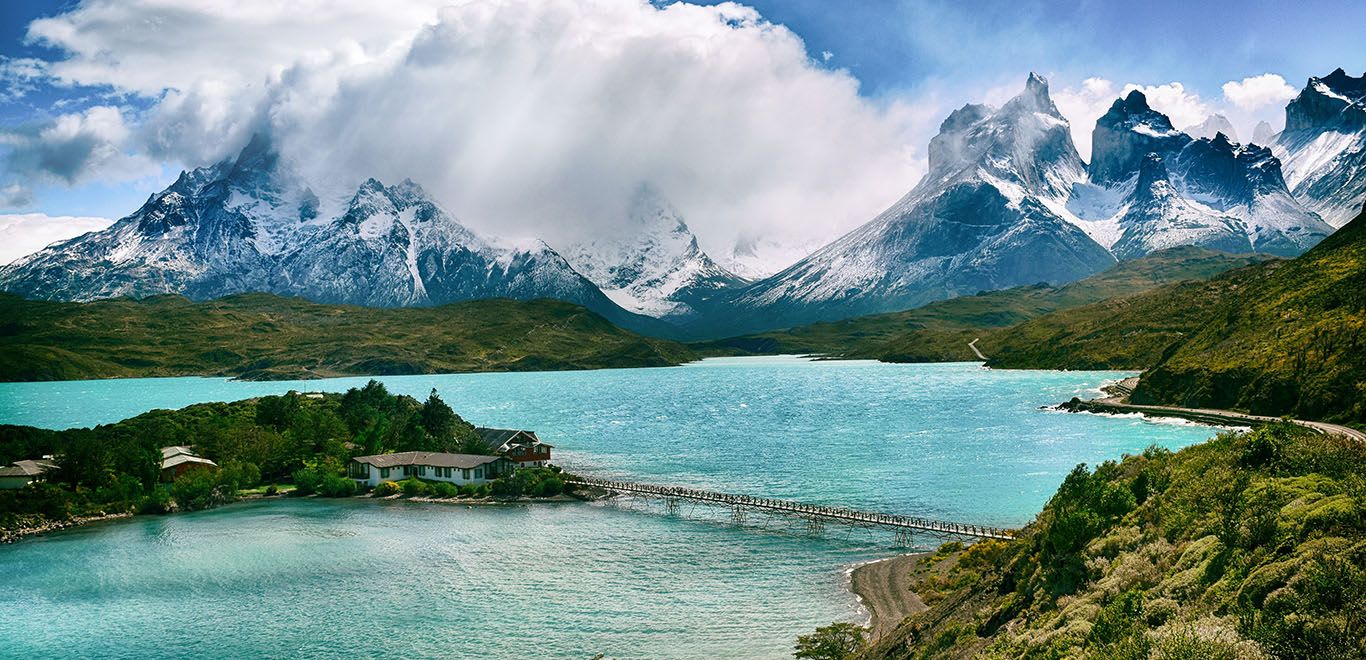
[527, 117]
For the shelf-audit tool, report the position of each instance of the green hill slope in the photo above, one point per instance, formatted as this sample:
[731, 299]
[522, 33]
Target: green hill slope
[263, 337]
[1277, 338]
[1292, 341]
[940, 331]
[1248, 546]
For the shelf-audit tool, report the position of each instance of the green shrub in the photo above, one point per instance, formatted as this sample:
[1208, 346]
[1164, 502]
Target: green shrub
[158, 501]
[1120, 618]
[335, 485]
[239, 475]
[307, 480]
[445, 489]
[532, 482]
[413, 487]
[386, 489]
[836, 641]
[200, 489]
[469, 490]
[551, 487]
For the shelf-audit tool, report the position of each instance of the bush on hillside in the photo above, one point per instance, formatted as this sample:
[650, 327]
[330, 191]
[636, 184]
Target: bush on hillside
[386, 489]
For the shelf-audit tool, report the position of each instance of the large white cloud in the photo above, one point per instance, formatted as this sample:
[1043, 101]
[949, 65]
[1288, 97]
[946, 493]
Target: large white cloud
[1083, 105]
[1256, 92]
[22, 234]
[528, 117]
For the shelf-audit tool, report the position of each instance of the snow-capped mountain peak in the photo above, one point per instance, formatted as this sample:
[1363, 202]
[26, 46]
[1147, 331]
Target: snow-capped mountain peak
[1323, 146]
[977, 220]
[1213, 125]
[1126, 134]
[655, 267]
[1152, 187]
[1263, 134]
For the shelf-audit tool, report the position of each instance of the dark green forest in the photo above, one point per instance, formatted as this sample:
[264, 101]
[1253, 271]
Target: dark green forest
[299, 442]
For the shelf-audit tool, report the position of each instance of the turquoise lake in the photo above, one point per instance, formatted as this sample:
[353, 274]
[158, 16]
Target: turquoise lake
[311, 578]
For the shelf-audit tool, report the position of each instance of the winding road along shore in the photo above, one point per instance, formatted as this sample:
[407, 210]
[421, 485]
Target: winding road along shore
[1118, 404]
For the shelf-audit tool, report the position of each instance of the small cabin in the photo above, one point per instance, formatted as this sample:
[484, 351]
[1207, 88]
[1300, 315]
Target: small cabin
[523, 448]
[459, 469]
[179, 459]
[23, 473]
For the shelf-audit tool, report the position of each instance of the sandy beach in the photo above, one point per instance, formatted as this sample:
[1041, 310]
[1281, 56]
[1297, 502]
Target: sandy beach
[885, 588]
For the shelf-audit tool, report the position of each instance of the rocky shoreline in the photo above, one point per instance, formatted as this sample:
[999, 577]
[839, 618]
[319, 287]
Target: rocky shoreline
[43, 526]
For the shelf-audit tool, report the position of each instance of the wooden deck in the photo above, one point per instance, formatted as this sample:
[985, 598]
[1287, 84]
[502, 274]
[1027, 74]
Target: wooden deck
[813, 512]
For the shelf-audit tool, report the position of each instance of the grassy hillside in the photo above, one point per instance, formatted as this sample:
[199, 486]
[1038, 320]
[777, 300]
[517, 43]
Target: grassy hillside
[1275, 338]
[940, 331]
[261, 336]
[1125, 332]
[1290, 341]
[1248, 546]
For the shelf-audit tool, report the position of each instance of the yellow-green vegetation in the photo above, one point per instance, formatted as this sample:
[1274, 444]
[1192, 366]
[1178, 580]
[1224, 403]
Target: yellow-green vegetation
[940, 332]
[1252, 545]
[267, 337]
[1285, 337]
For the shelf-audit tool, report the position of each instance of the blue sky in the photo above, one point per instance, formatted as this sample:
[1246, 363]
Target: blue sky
[894, 45]
[148, 87]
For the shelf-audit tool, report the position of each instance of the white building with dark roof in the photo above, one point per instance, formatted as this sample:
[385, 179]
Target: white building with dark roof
[459, 469]
[23, 473]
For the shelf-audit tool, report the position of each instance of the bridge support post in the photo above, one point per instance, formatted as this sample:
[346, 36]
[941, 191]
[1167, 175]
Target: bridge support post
[904, 538]
[815, 525]
[671, 505]
[738, 513]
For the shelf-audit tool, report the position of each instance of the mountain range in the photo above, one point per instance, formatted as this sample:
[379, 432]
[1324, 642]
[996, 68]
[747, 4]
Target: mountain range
[1006, 201]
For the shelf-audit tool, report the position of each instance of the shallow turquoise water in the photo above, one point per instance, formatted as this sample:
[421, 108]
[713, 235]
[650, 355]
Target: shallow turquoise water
[293, 578]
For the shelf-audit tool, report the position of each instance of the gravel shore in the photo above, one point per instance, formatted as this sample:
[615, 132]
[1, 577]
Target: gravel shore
[884, 586]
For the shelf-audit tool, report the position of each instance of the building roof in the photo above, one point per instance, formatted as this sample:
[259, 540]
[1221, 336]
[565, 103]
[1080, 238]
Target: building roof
[180, 459]
[27, 468]
[500, 438]
[173, 450]
[432, 458]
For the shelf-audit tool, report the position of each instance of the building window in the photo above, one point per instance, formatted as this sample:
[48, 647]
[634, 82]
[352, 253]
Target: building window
[478, 473]
[465, 474]
[384, 473]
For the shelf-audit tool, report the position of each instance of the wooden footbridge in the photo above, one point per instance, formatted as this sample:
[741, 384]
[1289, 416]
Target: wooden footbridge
[815, 514]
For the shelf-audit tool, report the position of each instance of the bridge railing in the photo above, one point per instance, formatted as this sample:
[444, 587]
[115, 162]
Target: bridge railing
[789, 506]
